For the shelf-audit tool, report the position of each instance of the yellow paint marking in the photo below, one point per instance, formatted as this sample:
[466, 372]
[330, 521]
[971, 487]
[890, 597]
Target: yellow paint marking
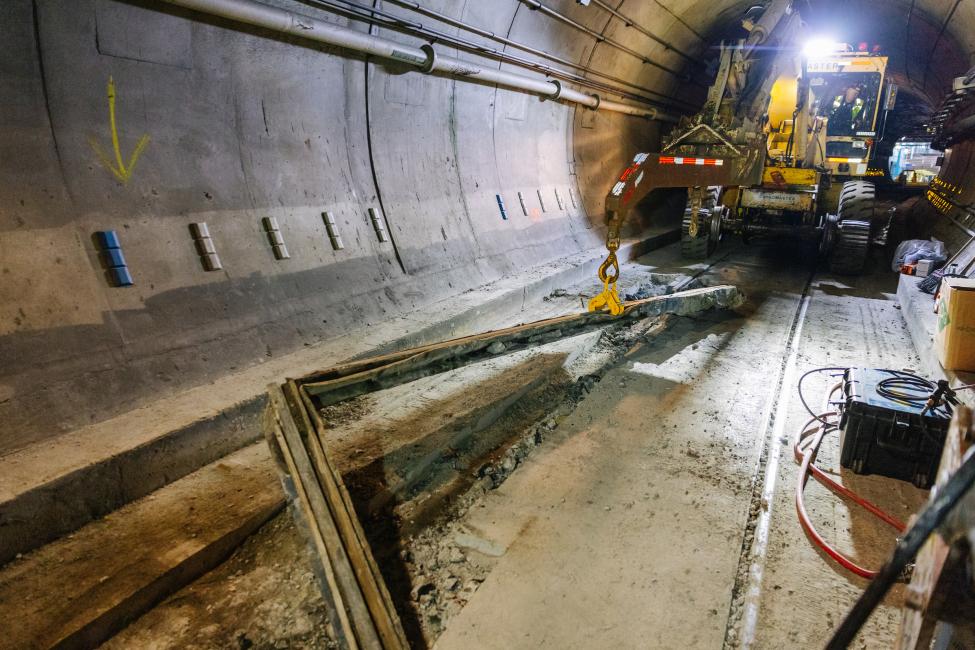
[121, 170]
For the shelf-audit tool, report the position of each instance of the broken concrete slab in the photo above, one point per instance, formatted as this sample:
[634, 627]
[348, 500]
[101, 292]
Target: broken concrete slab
[483, 546]
[376, 373]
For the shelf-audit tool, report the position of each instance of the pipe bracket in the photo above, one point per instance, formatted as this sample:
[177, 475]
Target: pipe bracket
[431, 61]
[558, 89]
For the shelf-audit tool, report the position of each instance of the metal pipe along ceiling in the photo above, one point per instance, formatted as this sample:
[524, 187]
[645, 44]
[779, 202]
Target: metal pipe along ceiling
[375, 16]
[424, 59]
[443, 18]
[629, 22]
[534, 5]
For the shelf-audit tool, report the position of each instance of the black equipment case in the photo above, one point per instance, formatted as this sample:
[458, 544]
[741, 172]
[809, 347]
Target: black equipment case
[889, 437]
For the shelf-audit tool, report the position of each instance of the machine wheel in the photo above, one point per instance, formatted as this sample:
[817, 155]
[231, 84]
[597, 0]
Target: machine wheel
[700, 245]
[851, 243]
[857, 201]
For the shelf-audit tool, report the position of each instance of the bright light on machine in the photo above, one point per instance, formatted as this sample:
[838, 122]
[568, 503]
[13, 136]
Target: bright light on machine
[821, 47]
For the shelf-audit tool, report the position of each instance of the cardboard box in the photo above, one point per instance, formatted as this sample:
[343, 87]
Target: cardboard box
[954, 338]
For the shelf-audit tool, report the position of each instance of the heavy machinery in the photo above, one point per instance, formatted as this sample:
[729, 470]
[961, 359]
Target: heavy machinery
[779, 149]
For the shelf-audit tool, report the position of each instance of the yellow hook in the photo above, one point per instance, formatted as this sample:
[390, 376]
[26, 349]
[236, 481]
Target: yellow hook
[609, 298]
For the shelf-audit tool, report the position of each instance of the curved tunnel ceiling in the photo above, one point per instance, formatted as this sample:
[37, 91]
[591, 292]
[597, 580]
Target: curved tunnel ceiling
[929, 42]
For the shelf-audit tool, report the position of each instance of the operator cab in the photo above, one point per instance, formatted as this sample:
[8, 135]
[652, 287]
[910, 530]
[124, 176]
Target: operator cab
[846, 90]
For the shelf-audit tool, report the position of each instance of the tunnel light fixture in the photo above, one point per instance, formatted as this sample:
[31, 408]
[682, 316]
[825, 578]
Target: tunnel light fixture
[820, 47]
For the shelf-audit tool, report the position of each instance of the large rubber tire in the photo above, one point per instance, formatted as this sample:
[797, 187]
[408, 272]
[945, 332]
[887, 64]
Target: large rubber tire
[855, 214]
[701, 246]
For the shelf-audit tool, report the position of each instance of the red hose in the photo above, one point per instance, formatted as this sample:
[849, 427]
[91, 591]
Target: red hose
[807, 467]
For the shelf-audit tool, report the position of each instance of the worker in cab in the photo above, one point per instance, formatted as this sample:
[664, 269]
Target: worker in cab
[846, 115]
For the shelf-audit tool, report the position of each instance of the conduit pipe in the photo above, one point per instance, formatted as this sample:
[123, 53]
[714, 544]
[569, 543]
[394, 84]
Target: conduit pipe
[368, 14]
[646, 32]
[535, 5]
[453, 22]
[423, 58]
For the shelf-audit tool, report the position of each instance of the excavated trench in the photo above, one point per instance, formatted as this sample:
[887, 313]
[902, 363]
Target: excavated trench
[415, 459]
[410, 498]
[446, 441]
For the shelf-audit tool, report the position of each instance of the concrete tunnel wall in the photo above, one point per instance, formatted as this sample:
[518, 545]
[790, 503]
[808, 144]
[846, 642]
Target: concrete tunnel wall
[241, 125]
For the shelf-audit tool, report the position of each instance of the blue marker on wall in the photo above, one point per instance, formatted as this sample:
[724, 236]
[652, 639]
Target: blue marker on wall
[111, 253]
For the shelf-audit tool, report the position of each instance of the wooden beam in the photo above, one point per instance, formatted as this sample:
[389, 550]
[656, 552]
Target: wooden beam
[356, 624]
[378, 373]
[371, 582]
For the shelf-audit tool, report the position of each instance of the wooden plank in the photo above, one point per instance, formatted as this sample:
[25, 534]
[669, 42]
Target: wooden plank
[383, 594]
[355, 619]
[378, 373]
[370, 581]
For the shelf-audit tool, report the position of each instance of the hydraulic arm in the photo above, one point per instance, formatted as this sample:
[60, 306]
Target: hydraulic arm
[723, 144]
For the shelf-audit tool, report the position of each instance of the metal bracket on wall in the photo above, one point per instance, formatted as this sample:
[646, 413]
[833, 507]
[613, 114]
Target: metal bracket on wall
[521, 200]
[378, 225]
[541, 201]
[558, 199]
[332, 230]
[205, 247]
[572, 198]
[110, 252]
[274, 236]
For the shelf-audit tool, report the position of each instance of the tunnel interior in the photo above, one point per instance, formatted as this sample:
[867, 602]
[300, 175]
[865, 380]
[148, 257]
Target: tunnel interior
[202, 198]
[187, 80]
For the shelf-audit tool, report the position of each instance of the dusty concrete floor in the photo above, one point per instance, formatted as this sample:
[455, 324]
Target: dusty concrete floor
[634, 526]
[631, 519]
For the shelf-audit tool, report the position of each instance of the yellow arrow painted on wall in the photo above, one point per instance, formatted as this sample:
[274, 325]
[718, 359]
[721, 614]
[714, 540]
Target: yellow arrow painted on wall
[121, 170]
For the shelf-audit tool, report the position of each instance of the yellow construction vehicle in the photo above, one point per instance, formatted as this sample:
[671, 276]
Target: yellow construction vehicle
[823, 129]
[779, 149]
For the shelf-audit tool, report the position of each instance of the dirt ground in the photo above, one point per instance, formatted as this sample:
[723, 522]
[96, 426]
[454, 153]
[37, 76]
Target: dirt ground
[637, 492]
[265, 596]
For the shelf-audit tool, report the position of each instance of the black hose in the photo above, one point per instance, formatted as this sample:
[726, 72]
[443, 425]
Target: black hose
[909, 389]
[803, 399]
[905, 388]
[946, 498]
